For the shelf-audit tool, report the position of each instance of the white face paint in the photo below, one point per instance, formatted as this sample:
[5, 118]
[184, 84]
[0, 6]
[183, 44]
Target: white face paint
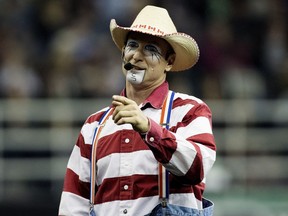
[135, 76]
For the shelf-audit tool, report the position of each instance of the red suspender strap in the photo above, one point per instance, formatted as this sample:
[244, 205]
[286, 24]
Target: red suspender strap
[93, 167]
[163, 177]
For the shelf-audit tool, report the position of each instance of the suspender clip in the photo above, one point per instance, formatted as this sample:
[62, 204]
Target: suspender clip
[91, 209]
[164, 202]
[165, 124]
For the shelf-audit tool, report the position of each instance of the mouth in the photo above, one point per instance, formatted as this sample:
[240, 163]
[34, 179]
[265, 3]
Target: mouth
[132, 67]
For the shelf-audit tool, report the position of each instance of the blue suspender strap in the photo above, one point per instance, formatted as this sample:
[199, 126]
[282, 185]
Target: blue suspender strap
[170, 104]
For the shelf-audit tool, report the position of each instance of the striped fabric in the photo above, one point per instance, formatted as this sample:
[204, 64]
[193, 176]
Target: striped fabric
[127, 167]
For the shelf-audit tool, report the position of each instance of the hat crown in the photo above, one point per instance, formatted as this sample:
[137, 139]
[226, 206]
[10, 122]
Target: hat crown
[154, 20]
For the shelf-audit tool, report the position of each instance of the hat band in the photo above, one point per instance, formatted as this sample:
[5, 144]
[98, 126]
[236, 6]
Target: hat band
[147, 28]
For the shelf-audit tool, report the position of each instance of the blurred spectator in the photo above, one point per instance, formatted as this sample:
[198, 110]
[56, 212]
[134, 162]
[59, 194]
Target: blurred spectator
[17, 77]
[282, 78]
[242, 82]
[275, 49]
[216, 53]
[68, 47]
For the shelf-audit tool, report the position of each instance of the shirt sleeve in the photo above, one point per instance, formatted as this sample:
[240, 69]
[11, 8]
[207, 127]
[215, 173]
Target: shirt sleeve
[75, 194]
[188, 148]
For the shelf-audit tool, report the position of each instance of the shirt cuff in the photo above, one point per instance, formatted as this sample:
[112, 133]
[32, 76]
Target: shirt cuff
[153, 135]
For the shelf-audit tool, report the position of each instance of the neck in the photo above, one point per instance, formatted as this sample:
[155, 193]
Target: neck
[139, 93]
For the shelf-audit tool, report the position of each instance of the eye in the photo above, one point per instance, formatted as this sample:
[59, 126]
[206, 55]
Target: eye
[132, 44]
[152, 48]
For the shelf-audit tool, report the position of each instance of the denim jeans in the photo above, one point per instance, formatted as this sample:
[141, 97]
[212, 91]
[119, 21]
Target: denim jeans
[173, 210]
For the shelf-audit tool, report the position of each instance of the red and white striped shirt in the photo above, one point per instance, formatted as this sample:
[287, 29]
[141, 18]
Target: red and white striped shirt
[127, 164]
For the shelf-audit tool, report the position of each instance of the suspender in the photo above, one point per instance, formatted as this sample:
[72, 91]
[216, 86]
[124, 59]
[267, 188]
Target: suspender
[163, 176]
[93, 167]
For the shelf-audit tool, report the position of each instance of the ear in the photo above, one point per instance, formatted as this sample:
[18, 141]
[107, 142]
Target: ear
[170, 61]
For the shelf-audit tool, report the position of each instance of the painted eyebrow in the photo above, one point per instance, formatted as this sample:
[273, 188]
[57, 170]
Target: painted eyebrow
[148, 42]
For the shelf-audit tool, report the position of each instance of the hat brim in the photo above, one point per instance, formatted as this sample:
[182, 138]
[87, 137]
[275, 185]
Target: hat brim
[184, 46]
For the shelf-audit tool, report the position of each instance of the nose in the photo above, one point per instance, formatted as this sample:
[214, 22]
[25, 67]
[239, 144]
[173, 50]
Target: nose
[138, 54]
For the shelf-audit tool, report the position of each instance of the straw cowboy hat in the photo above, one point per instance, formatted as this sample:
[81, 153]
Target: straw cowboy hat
[156, 21]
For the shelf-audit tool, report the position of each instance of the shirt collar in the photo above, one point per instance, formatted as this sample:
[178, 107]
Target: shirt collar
[156, 98]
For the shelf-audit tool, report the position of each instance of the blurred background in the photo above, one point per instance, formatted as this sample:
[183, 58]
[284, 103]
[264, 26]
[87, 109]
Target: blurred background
[58, 65]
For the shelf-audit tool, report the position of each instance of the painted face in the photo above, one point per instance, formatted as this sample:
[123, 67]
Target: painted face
[147, 53]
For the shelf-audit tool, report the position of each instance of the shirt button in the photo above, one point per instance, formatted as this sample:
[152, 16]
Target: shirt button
[151, 139]
[125, 211]
[126, 187]
[127, 140]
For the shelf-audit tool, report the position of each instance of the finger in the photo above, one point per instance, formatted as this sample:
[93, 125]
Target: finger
[138, 125]
[116, 103]
[120, 116]
[121, 99]
[116, 110]
[120, 111]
